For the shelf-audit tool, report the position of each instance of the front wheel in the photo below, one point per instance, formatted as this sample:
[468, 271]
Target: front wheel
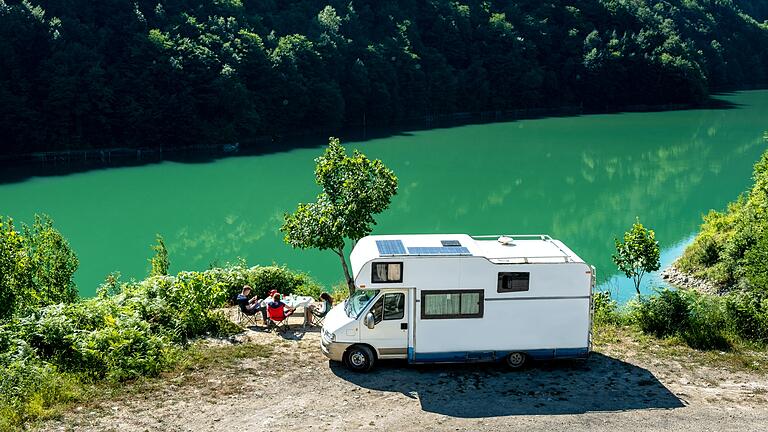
[359, 358]
[516, 360]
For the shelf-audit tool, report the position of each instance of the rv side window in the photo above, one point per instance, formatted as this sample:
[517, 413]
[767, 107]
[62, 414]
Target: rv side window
[394, 306]
[389, 307]
[387, 272]
[513, 281]
[451, 304]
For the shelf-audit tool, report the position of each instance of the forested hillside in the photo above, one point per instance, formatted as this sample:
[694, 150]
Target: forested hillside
[115, 73]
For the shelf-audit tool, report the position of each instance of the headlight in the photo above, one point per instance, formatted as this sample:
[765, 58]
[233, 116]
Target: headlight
[328, 335]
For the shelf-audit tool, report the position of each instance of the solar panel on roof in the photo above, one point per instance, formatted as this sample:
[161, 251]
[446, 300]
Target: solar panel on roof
[390, 247]
[449, 250]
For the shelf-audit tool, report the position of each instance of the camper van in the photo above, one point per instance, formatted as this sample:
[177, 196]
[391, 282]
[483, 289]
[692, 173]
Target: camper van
[459, 298]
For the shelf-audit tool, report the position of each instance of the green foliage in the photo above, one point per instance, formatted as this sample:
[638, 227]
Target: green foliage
[224, 71]
[11, 259]
[355, 189]
[749, 313]
[36, 267]
[128, 330]
[662, 315]
[731, 248]
[159, 262]
[604, 309]
[637, 254]
[698, 319]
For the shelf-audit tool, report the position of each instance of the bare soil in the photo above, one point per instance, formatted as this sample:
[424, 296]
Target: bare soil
[619, 388]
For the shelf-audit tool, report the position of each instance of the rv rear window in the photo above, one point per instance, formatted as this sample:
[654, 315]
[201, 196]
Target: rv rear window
[513, 281]
[451, 304]
[387, 272]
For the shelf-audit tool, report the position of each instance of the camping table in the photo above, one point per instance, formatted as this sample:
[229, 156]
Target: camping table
[298, 302]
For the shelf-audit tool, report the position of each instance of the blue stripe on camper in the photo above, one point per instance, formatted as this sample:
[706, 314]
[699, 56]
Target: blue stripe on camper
[474, 356]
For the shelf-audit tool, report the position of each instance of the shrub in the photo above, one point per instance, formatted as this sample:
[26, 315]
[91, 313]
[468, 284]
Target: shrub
[128, 330]
[123, 349]
[604, 308]
[661, 315]
[701, 320]
[748, 314]
[27, 388]
[707, 322]
[36, 267]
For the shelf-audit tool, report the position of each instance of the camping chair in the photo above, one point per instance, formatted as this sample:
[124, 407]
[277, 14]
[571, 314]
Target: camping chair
[277, 317]
[243, 314]
[317, 318]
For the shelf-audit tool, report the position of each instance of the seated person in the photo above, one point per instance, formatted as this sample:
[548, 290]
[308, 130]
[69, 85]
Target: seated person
[314, 310]
[277, 308]
[251, 306]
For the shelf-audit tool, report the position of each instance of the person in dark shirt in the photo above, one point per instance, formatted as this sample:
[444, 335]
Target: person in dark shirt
[251, 306]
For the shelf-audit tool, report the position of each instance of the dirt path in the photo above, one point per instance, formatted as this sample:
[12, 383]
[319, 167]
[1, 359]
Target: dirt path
[297, 388]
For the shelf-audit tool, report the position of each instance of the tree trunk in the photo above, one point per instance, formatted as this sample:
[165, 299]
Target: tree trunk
[350, 281]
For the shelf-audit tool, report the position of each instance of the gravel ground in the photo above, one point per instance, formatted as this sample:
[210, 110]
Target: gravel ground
[297, 388]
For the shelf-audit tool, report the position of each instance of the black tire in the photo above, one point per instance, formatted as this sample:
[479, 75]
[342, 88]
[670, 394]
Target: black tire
[359, 358]
[516, 360]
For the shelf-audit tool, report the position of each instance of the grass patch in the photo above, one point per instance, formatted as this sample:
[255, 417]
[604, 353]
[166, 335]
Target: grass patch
[65, 391]
[628, 340]
[201, 356]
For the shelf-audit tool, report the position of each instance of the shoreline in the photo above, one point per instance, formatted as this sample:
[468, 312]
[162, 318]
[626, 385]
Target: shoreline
[679, 279]
[90, 157]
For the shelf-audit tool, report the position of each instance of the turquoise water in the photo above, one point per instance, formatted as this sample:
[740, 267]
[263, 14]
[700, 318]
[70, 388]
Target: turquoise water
[581, 179]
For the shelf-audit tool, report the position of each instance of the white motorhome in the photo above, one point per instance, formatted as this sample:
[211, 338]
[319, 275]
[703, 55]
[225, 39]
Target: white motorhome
[459, 298]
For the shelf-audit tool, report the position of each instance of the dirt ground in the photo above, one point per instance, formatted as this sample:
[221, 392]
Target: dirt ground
[297, 388]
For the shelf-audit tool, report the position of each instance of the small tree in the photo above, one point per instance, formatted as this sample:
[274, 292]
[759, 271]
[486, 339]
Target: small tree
[37, 267]
[160, 262]
[354, 189]
[638, 254]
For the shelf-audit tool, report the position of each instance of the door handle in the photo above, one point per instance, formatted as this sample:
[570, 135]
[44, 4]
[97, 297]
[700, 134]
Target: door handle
[403, 326]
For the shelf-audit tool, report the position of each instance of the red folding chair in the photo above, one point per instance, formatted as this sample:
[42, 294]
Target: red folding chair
[277, 316]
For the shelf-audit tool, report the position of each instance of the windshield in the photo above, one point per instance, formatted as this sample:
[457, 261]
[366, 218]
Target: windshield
[357, 302]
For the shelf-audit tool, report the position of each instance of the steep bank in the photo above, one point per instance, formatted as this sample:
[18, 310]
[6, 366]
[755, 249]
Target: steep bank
[731, 250]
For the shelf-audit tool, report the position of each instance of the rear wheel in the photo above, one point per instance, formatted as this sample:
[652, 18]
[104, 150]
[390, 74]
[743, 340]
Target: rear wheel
[359, 358]
[516, 360]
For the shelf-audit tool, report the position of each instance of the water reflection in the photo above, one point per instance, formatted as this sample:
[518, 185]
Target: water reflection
[580, 179]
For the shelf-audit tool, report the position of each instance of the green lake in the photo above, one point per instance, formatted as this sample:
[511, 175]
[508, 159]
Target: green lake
[581, 179]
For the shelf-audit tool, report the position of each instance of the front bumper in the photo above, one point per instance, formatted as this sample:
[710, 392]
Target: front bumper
[333, 350]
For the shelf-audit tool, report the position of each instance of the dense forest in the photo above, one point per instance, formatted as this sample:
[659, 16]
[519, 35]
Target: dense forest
[113, 73]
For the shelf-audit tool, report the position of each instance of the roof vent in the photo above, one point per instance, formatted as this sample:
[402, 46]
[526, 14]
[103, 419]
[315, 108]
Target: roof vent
[506, 241]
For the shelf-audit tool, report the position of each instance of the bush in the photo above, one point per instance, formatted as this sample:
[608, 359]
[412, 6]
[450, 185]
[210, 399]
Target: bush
[128, 330]
[662, 315]
[27, 388]
[36, 267]
[748, 313]
[701, 320]
[604, 309]
[707, 324]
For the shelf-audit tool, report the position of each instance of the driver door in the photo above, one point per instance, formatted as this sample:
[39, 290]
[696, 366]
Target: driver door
[390, 332]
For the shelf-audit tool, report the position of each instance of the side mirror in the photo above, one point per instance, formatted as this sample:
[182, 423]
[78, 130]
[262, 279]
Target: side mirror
[369, 320]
